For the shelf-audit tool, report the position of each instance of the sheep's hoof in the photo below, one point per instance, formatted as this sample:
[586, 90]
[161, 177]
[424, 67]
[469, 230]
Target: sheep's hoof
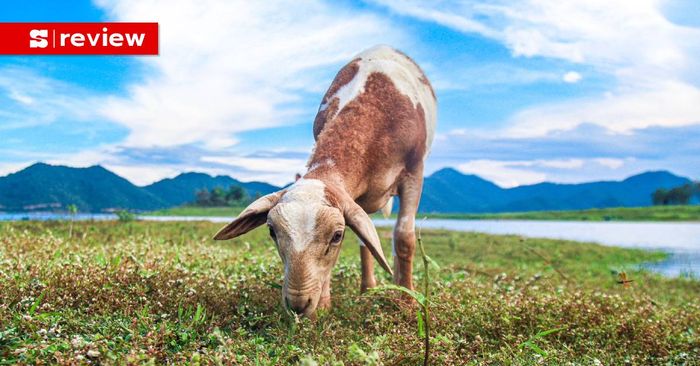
[366, 285]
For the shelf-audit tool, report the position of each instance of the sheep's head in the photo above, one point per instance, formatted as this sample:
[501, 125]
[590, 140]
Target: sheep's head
[307, 223]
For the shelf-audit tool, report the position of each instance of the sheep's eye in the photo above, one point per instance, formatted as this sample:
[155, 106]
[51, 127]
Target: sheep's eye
[337, 237]
[272, 233]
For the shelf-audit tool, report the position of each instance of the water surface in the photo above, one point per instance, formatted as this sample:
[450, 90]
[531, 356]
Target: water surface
[680, 239]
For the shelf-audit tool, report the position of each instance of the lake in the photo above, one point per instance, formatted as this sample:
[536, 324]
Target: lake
[680, 239]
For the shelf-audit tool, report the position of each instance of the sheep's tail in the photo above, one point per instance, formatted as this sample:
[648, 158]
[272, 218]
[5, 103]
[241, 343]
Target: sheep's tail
[386, 210]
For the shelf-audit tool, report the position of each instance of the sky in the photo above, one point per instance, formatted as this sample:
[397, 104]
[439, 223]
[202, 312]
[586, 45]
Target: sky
[528, 90]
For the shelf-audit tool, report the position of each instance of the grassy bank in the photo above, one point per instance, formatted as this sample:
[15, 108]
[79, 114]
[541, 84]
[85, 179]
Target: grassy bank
[652, 213]
[198, 211]
[146, 292]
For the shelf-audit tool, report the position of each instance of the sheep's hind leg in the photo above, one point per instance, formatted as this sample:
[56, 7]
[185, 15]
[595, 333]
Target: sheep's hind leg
[404, 246]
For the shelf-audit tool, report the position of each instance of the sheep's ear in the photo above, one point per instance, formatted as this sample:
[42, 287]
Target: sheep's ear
[362, 225]
[253, 216]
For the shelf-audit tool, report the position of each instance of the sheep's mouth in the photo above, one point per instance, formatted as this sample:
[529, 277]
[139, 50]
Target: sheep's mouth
[301, 302]
[307, 308]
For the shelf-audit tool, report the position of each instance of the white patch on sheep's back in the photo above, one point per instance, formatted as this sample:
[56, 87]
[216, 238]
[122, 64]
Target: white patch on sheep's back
[299, 207]
[326, 162]
[405, 75]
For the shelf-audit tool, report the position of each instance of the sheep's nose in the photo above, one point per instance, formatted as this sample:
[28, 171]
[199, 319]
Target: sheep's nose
[297, 304]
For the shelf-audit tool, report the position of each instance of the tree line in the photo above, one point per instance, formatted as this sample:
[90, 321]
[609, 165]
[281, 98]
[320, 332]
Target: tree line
[220, 197]
[676, 196]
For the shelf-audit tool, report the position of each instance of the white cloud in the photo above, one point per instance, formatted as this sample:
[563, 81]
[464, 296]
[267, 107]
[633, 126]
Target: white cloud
[561, 163]
[504, 173]
[143, 175]
[666, 103]
[9, 168]
[20, 97]
[611, 163]
[275, 170]
[34, 100]
[631, 41]
[232, 66]
[512, 173]
[572, 77]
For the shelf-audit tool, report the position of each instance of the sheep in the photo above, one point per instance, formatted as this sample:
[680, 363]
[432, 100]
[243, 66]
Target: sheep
[373, 131]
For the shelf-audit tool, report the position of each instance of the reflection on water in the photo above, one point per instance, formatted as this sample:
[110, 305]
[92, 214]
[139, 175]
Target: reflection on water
[680, 239]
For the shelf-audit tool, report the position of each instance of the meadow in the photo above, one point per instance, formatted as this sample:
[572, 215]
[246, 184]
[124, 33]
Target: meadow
[649, 213]
[153, 293]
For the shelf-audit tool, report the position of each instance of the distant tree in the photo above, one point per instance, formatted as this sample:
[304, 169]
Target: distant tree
[202, 197]
[236, 195]
[680, 195]
[659, 197]
[218, 197]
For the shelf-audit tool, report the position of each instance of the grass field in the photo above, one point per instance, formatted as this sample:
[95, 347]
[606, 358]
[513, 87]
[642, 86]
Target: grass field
[146, 292]
[198, 211]
[651, 213]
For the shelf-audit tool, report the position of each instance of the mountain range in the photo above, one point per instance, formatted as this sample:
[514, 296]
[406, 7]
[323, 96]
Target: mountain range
[448, 190]
[95, 189]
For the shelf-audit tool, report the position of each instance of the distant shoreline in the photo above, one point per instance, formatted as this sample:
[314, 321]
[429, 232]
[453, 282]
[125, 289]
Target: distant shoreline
[689, 213]
[650, 213]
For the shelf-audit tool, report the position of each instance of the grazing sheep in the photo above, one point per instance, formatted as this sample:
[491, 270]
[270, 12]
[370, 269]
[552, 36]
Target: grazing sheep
[373, 132]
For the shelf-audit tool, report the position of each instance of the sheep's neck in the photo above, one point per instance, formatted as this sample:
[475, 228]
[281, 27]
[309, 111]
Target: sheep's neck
[331, 176]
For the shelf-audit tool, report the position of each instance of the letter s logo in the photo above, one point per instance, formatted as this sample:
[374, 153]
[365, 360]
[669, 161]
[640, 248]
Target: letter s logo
[38, 38]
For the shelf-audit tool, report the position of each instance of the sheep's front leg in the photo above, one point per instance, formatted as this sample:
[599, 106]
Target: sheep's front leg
[325, 301]
[368, 280]
[404, 231]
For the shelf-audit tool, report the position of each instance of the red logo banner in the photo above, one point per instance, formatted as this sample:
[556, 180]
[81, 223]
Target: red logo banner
[78, 38]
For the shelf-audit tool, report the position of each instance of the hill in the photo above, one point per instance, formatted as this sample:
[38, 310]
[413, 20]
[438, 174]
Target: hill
[181, 189]
[46, 187]
[448, 190]
[43, 187]
[96, 189]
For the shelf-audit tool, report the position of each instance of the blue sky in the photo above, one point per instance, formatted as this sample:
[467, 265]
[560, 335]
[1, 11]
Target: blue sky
[528, 91]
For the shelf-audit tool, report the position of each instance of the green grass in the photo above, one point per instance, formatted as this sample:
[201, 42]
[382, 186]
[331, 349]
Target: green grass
[198, 211]
[147, 292]
[651, 213]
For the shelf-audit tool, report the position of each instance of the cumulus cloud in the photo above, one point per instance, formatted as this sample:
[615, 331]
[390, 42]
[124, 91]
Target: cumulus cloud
[650, 58]
[588, 152]
[232, 66]
[225, 67]
[512, 173]
[666, 103]
[504, 173]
